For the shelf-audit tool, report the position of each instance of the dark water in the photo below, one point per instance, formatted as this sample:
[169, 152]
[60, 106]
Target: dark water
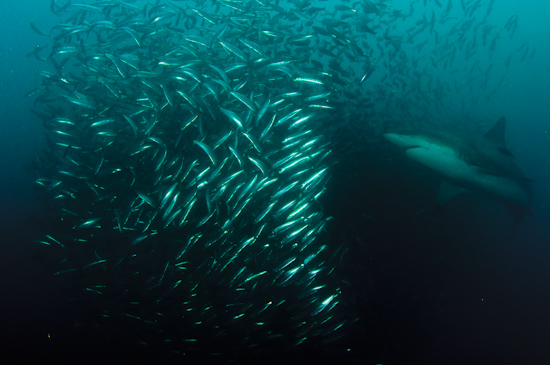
[466, 284]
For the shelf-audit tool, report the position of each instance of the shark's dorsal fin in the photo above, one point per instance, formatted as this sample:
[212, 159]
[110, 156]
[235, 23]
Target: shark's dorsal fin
[496, 134]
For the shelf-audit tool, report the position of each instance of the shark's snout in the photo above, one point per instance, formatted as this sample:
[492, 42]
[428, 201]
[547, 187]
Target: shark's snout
[402, 140]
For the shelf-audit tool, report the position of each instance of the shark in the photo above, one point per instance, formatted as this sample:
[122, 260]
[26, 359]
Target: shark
[480, 164]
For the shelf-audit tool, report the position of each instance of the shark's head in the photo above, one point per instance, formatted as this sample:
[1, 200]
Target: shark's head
[435, 151]
[406, 140]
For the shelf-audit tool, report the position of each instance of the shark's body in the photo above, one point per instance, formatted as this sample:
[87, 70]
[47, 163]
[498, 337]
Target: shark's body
[479, 164]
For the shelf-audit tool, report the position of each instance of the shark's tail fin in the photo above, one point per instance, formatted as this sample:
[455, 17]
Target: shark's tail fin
[519, 213]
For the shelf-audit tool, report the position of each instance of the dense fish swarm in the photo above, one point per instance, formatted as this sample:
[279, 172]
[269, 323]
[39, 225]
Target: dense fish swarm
[187, 150]
[196, 147]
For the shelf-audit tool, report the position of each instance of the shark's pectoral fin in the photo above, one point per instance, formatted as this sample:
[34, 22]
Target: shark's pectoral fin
[447, 191]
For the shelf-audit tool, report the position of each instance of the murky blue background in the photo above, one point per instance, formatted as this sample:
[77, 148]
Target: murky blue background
[497, 296]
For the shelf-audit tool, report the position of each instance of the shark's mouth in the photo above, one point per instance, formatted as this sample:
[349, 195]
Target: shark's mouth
[411, 147]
